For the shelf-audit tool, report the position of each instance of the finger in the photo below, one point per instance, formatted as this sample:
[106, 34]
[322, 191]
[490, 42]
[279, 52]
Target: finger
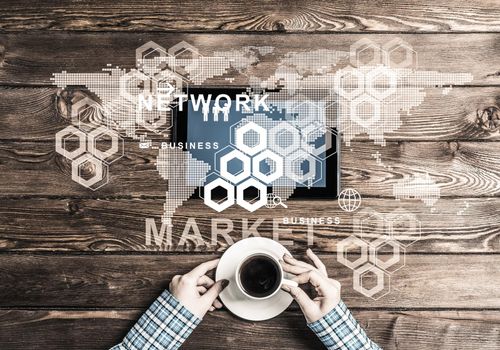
[320, 282]
[214, 291]
[317, 262]
[292, 261]
[296, 270]
[205, 281]
[202, 269]
[217, 304]
[202, 290]
[306, 304]
[212, 308]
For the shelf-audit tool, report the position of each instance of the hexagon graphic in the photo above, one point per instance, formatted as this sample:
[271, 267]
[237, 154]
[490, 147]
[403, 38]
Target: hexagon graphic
[294, 171]
[349, 82]
[404, 227]
[219, 205]
[133, 84]
[259, 138]
[396, 254]
[239, 176]
[187, 60]
[392, 48]
[347, 244]
[110, 153]
[276, 170]
[373, 227]
[145, 56]
[284, 138]
[381, 287]
[307, 112]
[87, 113]
[65, 133]
[375, 82]
[99, 171]
[261, 199]
[361, 115]
[366, 47]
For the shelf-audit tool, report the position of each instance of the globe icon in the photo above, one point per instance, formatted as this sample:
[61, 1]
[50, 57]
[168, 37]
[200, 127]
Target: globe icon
[349, 200]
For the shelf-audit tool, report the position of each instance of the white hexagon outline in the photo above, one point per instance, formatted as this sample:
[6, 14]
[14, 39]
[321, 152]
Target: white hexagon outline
[292, 158]
[208, 195]
[239, 138]
[393, 216]
[396, 253]
[393, 45]
[365, 123]
[267, 178]
[364, 44]
[380, 217]
[337, 82]
[76, 111]
[357, 281]
[302, 122]
[342, 252]
[124, 79]
[154, 47]
[325, 147]
[100, 166]
[64, 133]
[279, 129]
[240, 196]
[374, 73]
[246, 166]
[116, 144]
[181, 47]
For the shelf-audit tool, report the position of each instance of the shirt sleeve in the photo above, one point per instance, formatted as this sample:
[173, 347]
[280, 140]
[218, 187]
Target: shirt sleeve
[164, 326]
[339, 330]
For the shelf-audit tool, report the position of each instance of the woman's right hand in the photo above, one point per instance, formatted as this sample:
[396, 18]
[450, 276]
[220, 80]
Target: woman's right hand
[327, 289]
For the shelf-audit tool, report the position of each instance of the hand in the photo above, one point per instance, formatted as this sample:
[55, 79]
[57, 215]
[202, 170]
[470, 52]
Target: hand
[196, 291]
[327, 289]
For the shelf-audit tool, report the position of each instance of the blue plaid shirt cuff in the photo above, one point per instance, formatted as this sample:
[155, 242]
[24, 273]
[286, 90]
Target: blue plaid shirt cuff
[338, 330]
[164, 326]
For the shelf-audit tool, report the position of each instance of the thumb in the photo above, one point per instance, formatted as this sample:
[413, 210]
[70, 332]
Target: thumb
[306, 304]
[214, 291]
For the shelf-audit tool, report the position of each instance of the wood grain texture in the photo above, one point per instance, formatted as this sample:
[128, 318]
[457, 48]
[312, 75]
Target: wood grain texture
[93, 225]
[37, 114]
[29, 59]
[462, 169]
[260, 16]
[115, 281]
[95, 329]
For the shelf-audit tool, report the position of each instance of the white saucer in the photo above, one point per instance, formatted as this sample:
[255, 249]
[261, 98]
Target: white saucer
[233, 298]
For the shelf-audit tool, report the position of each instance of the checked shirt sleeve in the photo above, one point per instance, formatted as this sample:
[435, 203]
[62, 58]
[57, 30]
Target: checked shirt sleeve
[164, 326]
[338, 330]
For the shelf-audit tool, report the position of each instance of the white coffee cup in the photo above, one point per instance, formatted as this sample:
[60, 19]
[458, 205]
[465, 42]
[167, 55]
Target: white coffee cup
[281, 277]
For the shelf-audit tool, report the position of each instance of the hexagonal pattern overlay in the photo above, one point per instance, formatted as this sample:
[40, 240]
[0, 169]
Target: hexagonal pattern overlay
[109, 151]
[227, 173]
[380, 288]
[276, 170]
[223, 204]
[259, 202]
[89, 171]
[255, 143]
[66, 133]
[352, 243]
[365, 110]
[284, 138]
[389, 261]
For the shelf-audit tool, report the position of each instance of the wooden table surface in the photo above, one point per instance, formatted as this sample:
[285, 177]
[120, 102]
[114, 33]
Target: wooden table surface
[75, 272]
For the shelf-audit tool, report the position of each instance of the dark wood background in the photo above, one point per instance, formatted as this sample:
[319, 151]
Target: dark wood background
[74, 269]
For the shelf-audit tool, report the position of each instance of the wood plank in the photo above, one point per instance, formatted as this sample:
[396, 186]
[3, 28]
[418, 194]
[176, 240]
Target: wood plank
[260, 16]
[31, 59]
[461, 169]
[39, 113]
[116, 280]
[411, 330]
[86, 225]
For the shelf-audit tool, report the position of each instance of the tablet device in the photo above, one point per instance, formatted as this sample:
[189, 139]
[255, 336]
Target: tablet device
[204, 136]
